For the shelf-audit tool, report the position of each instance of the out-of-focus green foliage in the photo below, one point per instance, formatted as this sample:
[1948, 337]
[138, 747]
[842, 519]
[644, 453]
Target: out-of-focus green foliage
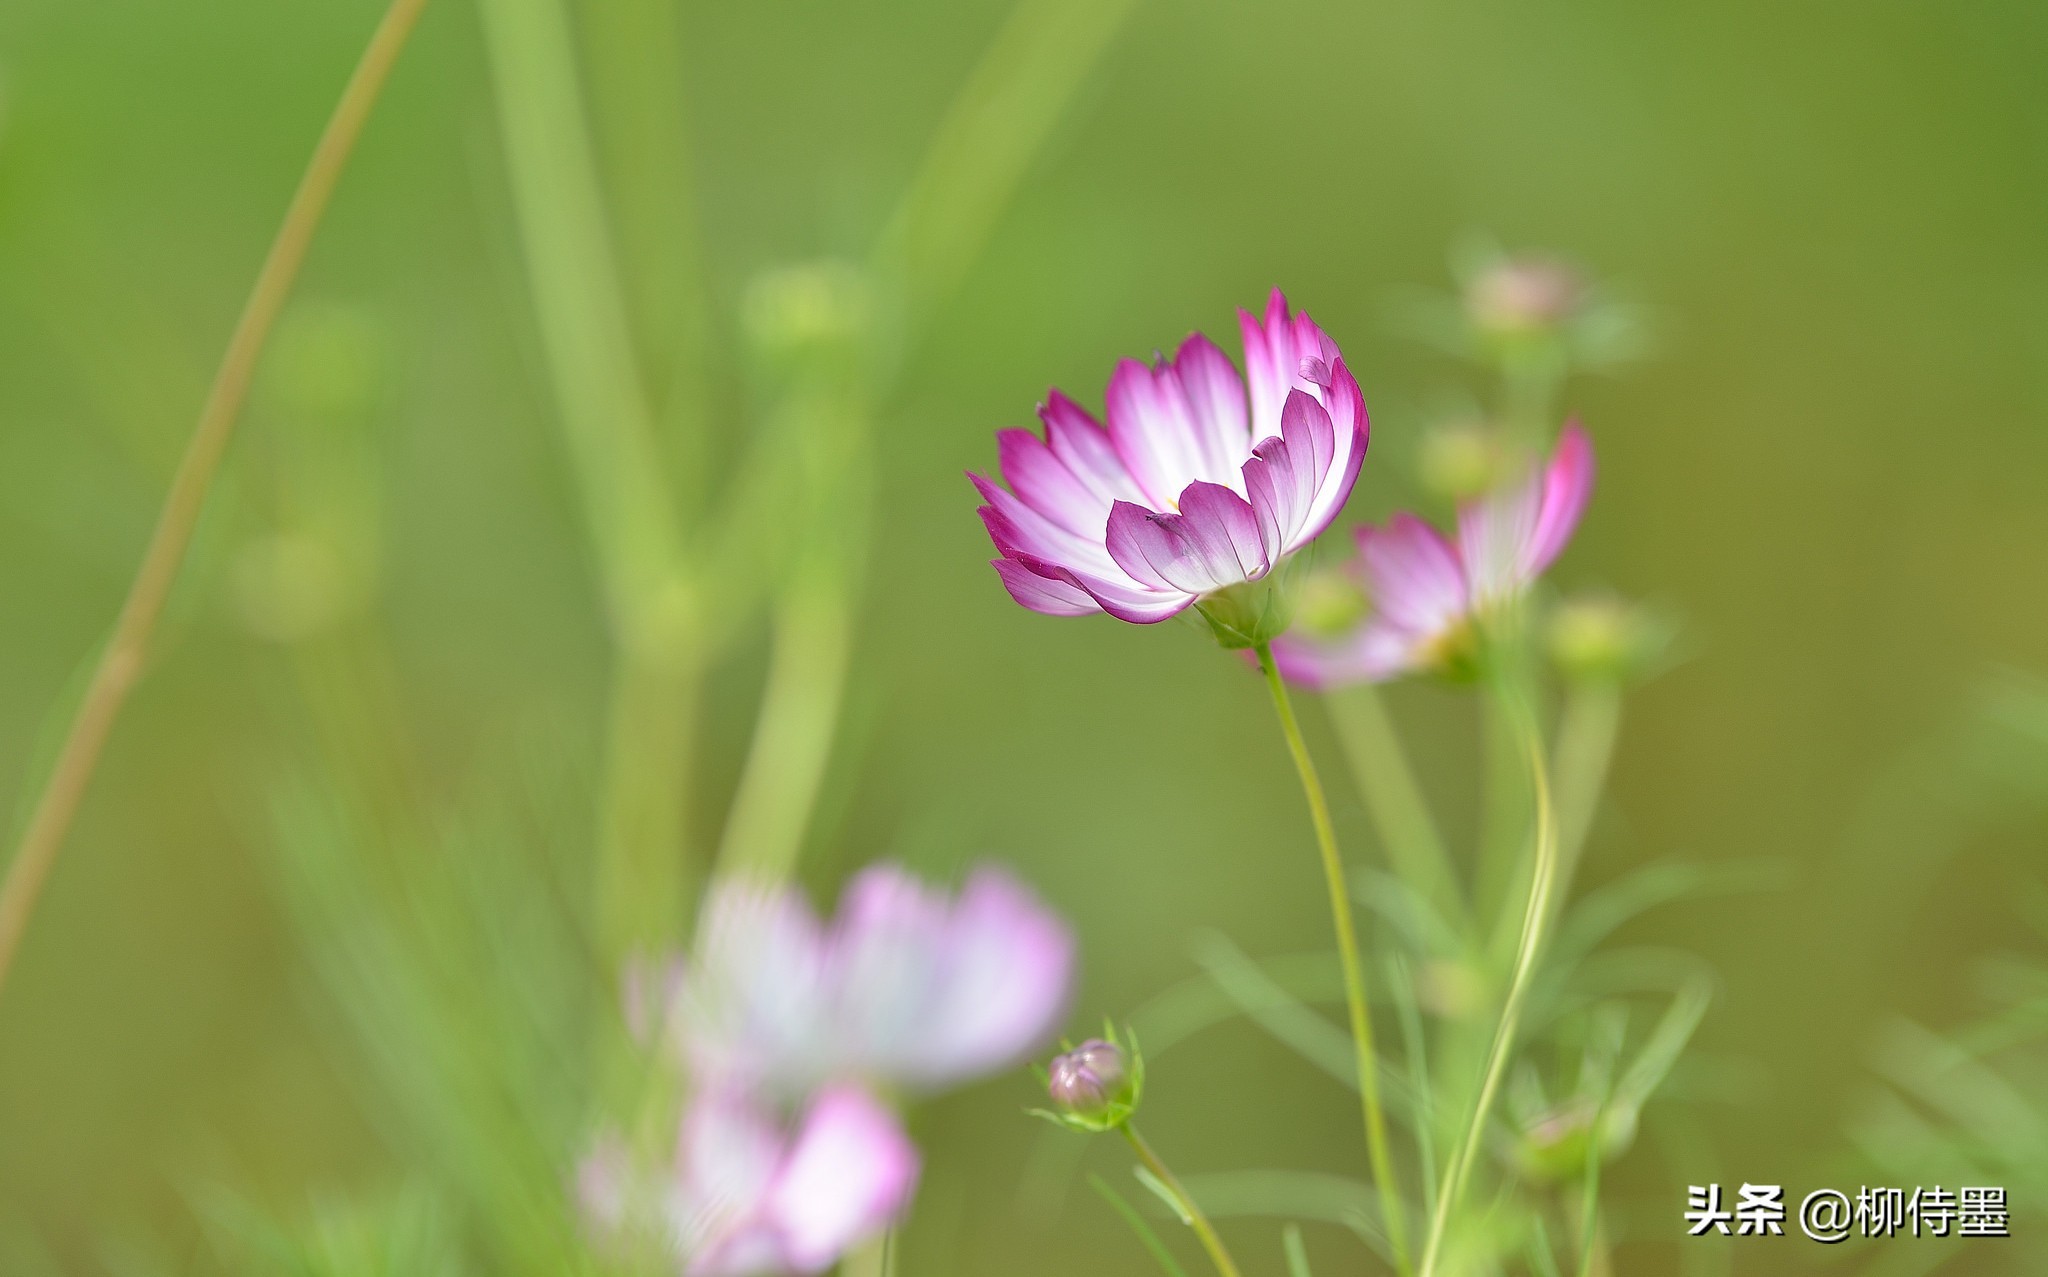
[1968, 1105]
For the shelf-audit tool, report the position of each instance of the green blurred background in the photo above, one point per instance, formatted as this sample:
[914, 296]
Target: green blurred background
[1832, 469]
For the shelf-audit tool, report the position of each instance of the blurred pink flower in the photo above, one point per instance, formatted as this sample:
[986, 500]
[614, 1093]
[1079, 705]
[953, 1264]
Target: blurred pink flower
[747, 1195]
[908, 988]
[1523, 294]
[1426, 591]
[1186, 492]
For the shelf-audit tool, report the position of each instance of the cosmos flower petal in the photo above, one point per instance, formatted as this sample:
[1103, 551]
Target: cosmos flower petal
[888, 945]
[1153, 427]
[749, 1004]
[1281, 493]
[1005, 972]
[1135, 604]
[1015, 526]
[1270, 365]
[1351, 431]
[1191, 553]
[1215, 397]
[850, 1174]
[1049, 595]
[1424, 587]
[1082, 445]
[1372, 653]
[1567, 486]
[1412, 575]
[1226, 528]
[1043, 482]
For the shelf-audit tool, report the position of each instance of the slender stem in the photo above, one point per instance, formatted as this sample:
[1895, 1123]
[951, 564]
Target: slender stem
[653, 594]
[120, 665]
[1543, 878]
[1354, 969]
[1204, 1230]
[778, 790]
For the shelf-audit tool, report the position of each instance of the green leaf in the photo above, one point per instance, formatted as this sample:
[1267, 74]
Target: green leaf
[1138, 1225]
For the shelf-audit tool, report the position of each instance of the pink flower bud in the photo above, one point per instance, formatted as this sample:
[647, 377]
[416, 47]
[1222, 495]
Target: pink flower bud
[1088, 1080]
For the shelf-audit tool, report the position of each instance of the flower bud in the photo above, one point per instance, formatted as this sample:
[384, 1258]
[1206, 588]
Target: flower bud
[1520, 296]
[806, 310]
[1558, 1145]
[1089, 1079]
[327, 362]
[1330, 604]
[1095, 1086]
[1602, 638]
[1461, 461]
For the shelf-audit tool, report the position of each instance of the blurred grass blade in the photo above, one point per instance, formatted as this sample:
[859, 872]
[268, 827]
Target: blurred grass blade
[1586, 733]
[985, 145]
[1296, 1251]
[1415, 1051]
[1393, 798]
[1270, 1007]
[1297, 1195]
[1666, 1042]
[121, 665]
[1179, 1012]
[1149, 1238]
[1605, 909]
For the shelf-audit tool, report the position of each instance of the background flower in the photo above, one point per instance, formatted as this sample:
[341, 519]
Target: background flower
[1427, 591]
[910, 987]
[748, 1193]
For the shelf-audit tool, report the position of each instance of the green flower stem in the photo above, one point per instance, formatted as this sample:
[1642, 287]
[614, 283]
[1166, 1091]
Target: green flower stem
[120, 664]
[1204, 1230]
[1354, 969]
[785, 768]
[1394, 799]
[608, 428]
[1543, 880]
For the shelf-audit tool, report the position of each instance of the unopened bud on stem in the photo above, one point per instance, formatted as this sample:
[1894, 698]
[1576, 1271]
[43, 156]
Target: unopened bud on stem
[1088, 1079]
[1095, 1086]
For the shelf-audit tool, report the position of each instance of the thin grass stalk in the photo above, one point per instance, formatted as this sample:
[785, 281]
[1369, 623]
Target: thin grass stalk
[1543, 880]
[121, 664]
[1367, 1062]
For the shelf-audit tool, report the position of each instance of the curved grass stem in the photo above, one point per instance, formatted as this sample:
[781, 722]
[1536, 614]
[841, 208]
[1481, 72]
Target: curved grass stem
[120, 665]
[1354, 969]
[1205, 1232]
[1543, 880]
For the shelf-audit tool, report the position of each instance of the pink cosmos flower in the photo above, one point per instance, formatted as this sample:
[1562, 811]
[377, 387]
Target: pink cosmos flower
[908, 988]
[747, 1195]
[1192, 488]
[1427, 591]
